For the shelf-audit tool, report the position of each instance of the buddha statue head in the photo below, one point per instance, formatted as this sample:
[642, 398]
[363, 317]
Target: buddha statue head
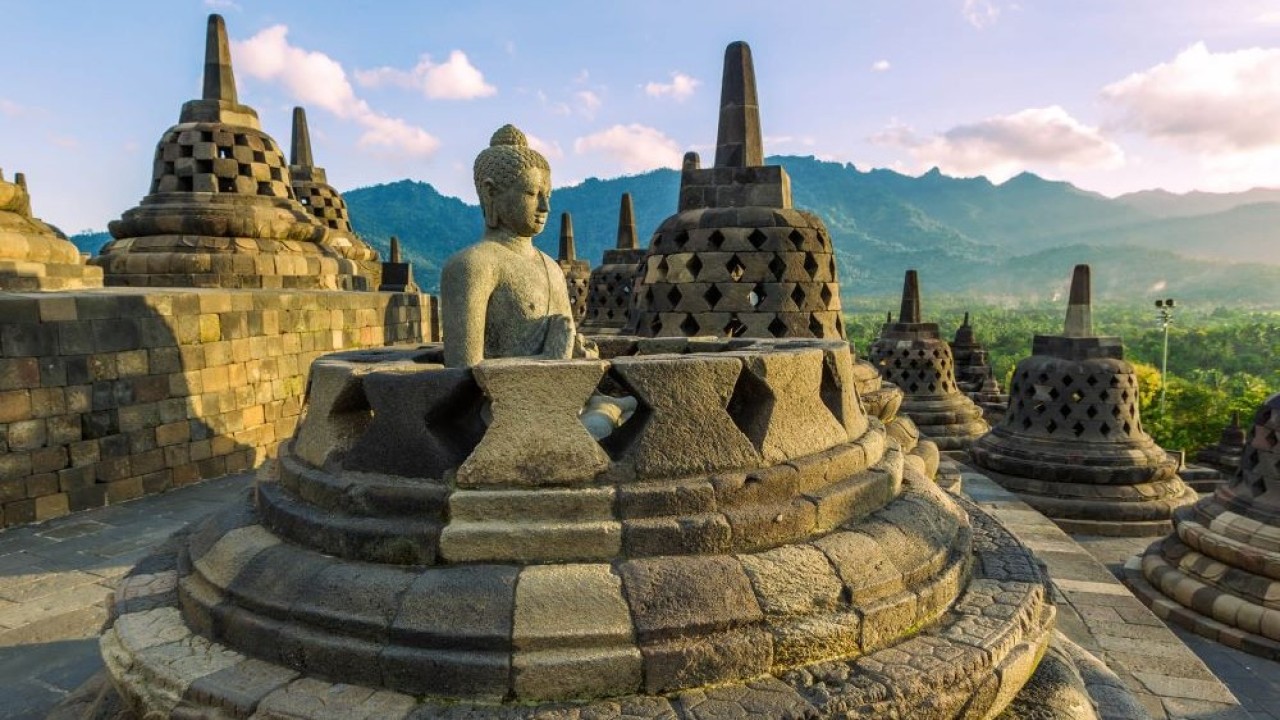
[513, 182]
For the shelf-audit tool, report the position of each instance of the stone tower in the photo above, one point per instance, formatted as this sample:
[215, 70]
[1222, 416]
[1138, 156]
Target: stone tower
[912, 355]
[610, 288]
[576, 272]
[974, 375]
[1218, 572]
[221, 211]
[311, 186]
[33, 254]
[1072, 444]
[737, 259]
[1225, 456]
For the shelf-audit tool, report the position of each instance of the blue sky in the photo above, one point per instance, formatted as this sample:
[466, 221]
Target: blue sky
[1113, 95]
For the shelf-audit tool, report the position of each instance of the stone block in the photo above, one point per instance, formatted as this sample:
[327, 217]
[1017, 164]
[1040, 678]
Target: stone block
[774, 404]
[677, 596]
[535, 437]
[720, 657]
[793, 580]
[864, 567]
[229, 555]
[320, 700]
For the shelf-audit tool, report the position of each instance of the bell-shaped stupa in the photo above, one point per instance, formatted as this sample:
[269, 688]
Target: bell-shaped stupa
[911, 354]
[1072, 444]
[1225, 456]
[974, 375]
[33, 254]
[221, 211]
[737, 259]
[609, 290]
[311, 186]
[576, 272]
[1218, 573]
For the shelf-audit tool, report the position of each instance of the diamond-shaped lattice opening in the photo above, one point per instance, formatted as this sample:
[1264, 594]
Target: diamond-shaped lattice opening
[1091, 380]
[1091, 411]
[826, 296]
[811, 265]
[648, 297]
[712, 296]
[777, 328]
[1076, 396]
[750, 406]
[914, 387]
[756, 296]
[734, 328]
[1040, 408]
[661, 270]
[674, 296]
[757, 238]
[1115, 411]
[689, 326]
[1043, 378]
[1051, 426]
[1113, 381]
[798, 296]
[778, 267]
[655, 326]
[1124, 395]
[830, 391]
[1064, 410]
[716, 239]
[1067, 380]
[1266, 437]
[1078, 428]
[694, 266]
[797, 239]
[736, 268]
[1105, 429]
[1053, 393]
[682, 239]
[815, 327]
[1026, 423]
[1128, 429]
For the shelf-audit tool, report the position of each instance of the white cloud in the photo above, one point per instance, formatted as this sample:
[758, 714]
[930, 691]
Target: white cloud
[880, 65]
[550, 149]
[980, 13]
[588, 102]
[680, 88]
[1204, 101]
[314, 79]
[454, 79]
[9, 108]
[1004, 145]
[635, 148]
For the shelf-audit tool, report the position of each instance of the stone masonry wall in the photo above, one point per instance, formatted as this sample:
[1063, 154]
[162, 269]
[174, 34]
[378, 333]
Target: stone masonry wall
[107, 395]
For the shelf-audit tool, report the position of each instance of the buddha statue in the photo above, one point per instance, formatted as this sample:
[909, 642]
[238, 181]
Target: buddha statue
[502, 297]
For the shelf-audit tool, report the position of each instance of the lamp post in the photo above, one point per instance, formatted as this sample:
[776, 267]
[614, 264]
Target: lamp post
[1164, 315]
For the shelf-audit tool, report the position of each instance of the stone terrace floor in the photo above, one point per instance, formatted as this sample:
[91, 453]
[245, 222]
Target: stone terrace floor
[56, 576]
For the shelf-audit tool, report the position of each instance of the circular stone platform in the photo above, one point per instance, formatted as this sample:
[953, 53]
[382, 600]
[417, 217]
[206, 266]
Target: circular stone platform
[453, 543]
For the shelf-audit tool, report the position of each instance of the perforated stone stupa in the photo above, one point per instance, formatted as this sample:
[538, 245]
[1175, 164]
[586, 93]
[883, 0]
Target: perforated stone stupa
[1072, 444]
[577, 273]
[1225, 455]
[974, 375]
[912, 355]
[221, 211]
[737, 259]
[1218, 573]
[311, 186]
[33, 254]
[609, 290]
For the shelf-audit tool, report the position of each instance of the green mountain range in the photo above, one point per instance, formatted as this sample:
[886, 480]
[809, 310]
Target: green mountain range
[1012, 241]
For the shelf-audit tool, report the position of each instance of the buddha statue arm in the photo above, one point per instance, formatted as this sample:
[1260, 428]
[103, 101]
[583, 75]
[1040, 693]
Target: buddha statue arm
[464, 292]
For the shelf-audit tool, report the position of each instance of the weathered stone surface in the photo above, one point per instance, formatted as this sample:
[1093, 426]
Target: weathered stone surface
[670, 596]
[684, 401]
[774, 407]
[310, 698]
[535, 437]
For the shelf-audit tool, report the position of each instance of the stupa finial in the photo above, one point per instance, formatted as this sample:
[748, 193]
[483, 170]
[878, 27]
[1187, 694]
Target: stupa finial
[627, 225]
[219, 81]
[910, 310]
[1079, 313]
[966, 319]
[567, 250]
[300, 150]
[738, 142]
[395, 249]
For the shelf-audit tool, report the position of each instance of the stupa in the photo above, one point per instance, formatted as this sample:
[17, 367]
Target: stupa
[33, 254]
[1072, 444]
[912, 355]
[443, 537]
[609, 290]
[1218, 572]
[974, 375]
[1225, 456]
[221, 211]
[311, 186]
[577, 272]
[737, 259]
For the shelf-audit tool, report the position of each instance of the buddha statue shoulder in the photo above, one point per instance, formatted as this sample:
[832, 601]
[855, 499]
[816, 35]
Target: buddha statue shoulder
[502, 297]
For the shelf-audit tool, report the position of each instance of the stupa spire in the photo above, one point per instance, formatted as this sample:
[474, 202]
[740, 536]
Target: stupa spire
[627, 224]
[219, 81]
[300, 150]
[1079, 313]
[910, 310]
[738, 142]
[567, 250]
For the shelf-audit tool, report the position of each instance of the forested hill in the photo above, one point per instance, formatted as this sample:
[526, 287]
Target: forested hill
[1015, 240]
